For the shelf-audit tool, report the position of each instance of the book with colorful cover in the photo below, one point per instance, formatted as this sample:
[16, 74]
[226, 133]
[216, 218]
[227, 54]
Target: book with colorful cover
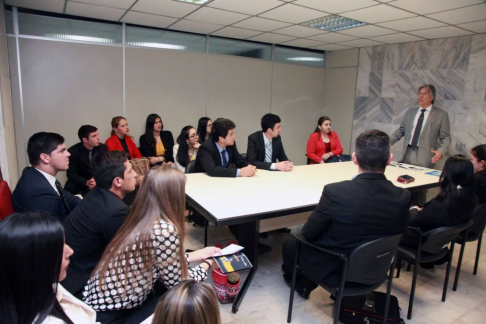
[233, 262]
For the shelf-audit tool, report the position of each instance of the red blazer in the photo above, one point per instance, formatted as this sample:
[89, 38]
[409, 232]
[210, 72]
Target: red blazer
[316, 147]
[113, 144]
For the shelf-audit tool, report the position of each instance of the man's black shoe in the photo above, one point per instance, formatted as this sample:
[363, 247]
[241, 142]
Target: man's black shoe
[303, 292]
[284, 230]
[264, 235]
[263, 248]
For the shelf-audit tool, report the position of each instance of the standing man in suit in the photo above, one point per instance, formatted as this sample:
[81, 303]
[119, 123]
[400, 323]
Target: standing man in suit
[37, 189]
[92, 225]
[349, 214]
[265, 146]
[426, 131]
[217, 154]
[80, 178]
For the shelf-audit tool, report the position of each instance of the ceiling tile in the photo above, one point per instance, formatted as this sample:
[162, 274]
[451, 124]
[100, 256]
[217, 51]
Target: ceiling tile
[250, 7]
[293, 14]
[46, 5]
[384, 1]
[367, 31]
[262, 24]
[145, 19]
[92, 11]
[336, 6]
[378, 14]
[165, 7]
[440, 32]
[299, 31]
[422, 8]
[272, 38]
[462, 15]
[332, 38]
[414, 23]
[232, 32]
[303, 43]
[121, 4]
[477, 27]
[360, 43]
[217, 16]
[332, 47]
[396, 38]
[195, 26]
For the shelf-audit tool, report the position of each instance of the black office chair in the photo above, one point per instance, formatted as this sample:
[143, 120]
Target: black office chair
[363, 271]
[191, 168]
[473, 233]
[432, 246]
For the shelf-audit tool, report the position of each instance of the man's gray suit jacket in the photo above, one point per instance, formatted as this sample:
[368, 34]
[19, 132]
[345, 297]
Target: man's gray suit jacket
[435, 135]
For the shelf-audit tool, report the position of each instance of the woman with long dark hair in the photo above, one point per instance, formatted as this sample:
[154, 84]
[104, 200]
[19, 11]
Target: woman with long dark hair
[146, 250]
[323, 145]
[156, 143]
[34, 259]
[452, 206]
[186, 148]
[478, 158]
[120, 140]
[204, 127]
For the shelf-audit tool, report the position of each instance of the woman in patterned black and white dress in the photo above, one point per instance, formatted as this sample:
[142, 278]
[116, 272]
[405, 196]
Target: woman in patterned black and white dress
[147, 251]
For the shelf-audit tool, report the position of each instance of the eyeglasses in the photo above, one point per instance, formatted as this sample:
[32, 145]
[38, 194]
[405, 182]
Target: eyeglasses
[194, 136]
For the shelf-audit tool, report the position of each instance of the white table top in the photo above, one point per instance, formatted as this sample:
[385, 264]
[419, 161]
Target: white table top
[279, 192]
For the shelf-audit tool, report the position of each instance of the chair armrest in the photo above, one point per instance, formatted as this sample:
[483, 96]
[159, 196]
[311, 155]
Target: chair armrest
[301, 239]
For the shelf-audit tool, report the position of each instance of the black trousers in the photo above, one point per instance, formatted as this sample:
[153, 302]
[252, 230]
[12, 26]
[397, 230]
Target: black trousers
[288, 254]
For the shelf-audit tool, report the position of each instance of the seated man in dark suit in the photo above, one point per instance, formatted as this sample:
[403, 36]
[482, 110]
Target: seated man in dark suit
[80, 178]
[94, 222]
[37, 189]
[217, 154]
[349, 214]
[265, 146]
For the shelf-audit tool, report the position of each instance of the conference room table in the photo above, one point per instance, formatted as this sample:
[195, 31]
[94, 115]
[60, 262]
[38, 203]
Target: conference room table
[268, 194]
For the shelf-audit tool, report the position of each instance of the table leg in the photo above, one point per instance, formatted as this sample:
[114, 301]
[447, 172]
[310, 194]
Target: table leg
[249, 240]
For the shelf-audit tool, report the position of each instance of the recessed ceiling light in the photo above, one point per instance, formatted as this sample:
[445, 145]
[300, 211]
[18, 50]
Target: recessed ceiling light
[333, 23]
[198, 2]
[305, 59]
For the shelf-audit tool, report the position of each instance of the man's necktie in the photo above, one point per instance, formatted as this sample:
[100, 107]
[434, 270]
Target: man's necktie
[268, 152]
[418, 129]
[225, 160]
[90, 156]
[61, 194]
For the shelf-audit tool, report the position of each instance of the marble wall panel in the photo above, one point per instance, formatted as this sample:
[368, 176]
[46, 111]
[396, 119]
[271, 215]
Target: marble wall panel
[363, 84]
[364, 64]
[378, 58]
[457, 68]
[376, 80]
[386, 110]
[454, 88]
[389, 84]
[392, 57]
[477, 58]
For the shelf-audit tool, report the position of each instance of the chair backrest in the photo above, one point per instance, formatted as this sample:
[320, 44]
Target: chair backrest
[437, 239]
[369, 263]
[479, 218]
[191, 167]
[6, 206]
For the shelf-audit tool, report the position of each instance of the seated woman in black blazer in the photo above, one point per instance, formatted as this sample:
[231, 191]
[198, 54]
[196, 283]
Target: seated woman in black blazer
[478, 158]
[452, 206]
[204, 128]
[156, 144]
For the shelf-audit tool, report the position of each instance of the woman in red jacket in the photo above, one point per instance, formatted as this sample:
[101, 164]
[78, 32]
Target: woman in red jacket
[323, 144]
[120, 140]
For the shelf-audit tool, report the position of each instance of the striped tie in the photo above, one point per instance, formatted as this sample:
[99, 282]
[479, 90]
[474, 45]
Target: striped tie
[268, 152]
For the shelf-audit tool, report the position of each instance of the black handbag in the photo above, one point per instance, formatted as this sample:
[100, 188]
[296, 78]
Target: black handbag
[369, 308]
